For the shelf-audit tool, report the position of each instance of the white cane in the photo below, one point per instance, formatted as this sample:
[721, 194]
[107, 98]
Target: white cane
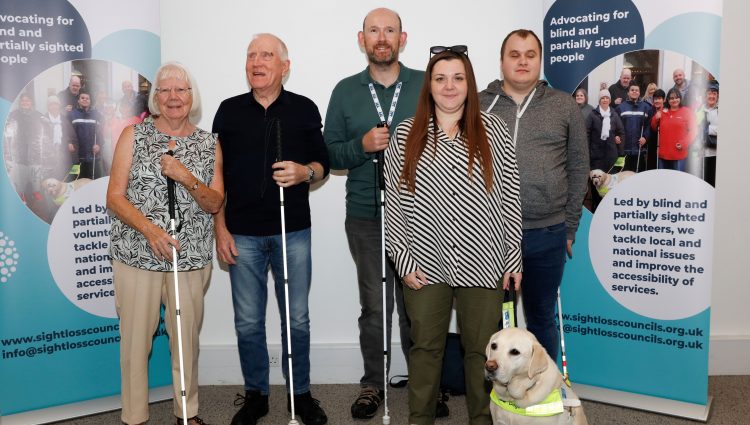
[379, 158]
[658, 141]
[178, 314]
[562, 339]
[638, 162]
[293, 420]
[93, 165]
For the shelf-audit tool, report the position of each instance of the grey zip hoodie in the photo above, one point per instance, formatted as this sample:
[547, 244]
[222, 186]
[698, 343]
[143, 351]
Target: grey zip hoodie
[552, 154]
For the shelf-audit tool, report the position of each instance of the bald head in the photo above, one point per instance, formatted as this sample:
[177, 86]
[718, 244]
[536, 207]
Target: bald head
[381, 12]
[75, 84]
[678, 76]
[626, 76]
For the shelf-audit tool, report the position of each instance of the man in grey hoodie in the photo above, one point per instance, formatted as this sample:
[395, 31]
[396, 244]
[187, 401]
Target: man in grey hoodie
[552, 155]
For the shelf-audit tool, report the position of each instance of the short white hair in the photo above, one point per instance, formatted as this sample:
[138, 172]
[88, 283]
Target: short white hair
[180, 72]
[283, 51]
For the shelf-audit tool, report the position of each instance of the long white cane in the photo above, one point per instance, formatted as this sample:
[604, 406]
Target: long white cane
[658, 143]
[638, 162]
[293, 420]
[379, 158]
[93, 166]
[178, 314]
[562, 339]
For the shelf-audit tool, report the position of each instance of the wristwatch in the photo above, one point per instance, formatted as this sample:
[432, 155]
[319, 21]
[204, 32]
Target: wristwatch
[310, 173]
[195, 185]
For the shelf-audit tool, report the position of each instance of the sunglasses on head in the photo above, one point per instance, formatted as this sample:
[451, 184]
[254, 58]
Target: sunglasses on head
[461, 48]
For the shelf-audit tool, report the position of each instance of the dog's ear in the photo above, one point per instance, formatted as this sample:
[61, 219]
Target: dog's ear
[538, 360]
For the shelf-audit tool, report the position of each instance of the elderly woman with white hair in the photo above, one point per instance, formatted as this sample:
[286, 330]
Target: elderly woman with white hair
[141, 248]
[605, 130]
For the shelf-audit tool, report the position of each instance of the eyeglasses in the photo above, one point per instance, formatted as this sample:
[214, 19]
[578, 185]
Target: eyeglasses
[179, 91]
[461, 48]
[674, 98]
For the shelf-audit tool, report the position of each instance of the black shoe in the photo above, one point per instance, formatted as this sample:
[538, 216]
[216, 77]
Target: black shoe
[307, 408]
[195, 420]
[442, 411]
[254, 406]
[366, 405]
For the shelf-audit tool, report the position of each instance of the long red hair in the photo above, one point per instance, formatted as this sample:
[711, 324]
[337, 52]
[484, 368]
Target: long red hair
[473, 133]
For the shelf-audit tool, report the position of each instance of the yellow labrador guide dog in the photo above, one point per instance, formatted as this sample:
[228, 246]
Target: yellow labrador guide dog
[527, 387]
[604, 182]
[59, 191]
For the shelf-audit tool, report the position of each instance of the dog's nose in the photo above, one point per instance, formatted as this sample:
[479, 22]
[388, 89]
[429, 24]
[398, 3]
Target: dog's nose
[490, 365]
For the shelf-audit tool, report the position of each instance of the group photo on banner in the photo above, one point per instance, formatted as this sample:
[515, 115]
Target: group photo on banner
[535, 202]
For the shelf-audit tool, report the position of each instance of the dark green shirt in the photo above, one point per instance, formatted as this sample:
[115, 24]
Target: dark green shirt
[351, 114]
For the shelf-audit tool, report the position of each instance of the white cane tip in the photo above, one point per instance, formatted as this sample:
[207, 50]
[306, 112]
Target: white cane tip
[293, 422]
[386, 420]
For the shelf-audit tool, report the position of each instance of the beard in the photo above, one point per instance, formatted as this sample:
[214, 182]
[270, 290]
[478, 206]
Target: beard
[382, 59]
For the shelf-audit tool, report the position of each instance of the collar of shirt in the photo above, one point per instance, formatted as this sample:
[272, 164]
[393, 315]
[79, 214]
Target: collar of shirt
[283, 99]
[404, 75]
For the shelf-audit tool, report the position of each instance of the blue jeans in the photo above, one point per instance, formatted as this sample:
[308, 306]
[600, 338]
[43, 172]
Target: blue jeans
[543, 262]
[249, 279]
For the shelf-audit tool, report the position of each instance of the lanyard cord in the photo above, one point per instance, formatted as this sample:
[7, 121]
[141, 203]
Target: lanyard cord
[378, 157]
[392, 110]
[519, 112]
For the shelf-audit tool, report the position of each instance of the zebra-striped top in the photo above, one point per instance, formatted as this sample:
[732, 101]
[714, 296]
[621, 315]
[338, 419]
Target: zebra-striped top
[451, 228]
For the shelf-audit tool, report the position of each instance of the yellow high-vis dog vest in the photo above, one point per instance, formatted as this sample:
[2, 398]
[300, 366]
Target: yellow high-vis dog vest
[552, 405]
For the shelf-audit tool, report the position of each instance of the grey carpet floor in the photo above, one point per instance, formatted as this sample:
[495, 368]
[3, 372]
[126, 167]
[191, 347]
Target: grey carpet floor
[731, 406]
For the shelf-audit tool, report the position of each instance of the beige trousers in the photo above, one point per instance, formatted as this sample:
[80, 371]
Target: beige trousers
[138, 296]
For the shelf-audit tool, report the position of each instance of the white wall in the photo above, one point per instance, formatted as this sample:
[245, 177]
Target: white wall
[211, 38]
[730, 315]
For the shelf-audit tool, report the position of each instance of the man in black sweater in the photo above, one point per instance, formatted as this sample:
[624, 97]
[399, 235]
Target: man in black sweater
[271, 139]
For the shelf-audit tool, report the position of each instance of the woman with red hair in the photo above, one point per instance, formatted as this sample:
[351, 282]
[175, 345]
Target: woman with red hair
[453, 222]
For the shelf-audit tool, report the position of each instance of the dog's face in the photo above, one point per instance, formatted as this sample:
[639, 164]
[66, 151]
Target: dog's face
[598, 177]
[51, 186]
[514, 352]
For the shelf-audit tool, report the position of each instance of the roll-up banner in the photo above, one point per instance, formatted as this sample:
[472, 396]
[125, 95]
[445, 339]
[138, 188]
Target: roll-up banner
[636, 295]
[59, 334]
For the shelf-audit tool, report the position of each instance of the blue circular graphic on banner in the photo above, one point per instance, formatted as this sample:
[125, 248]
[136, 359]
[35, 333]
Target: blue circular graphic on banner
[580, 35]
[32, 41]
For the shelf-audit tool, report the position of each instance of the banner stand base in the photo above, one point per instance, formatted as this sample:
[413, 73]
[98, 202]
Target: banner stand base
[664, 406]
[81, 408]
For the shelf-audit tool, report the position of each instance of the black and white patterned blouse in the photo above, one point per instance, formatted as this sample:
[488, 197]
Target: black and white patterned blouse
[451, 228]
[147, 191]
